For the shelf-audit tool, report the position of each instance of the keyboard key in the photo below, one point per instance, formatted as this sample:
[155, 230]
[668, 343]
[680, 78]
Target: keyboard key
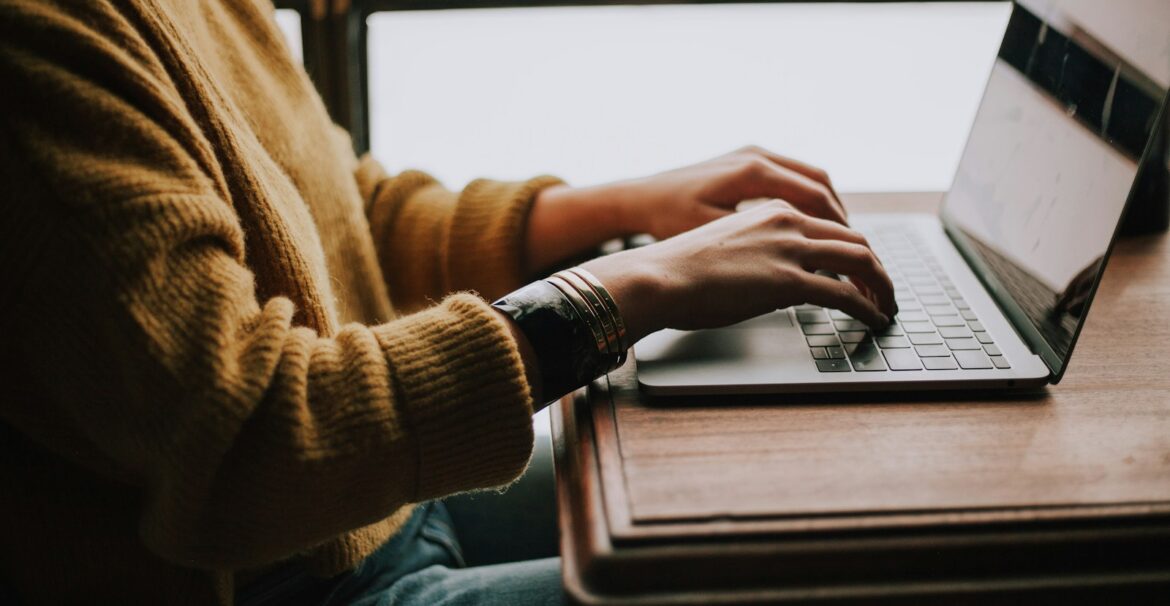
[927, 290]
[833, 365]
[1000, 362]
[837, 314]
[934, 300]
[902, 359]
[811, 317]
[893, 330]
[972, 360]
[976, 326]
[949, 321]
[917, 327]
[867, 358]
[968, 314]
[963, 344]
[992, 349]
[954, 332]
[940, 310]
[853, 336]
[912, 316]
[817, 329]
[822, 340]
[819, 353]
[960, 303]
[844, 325]
[947, 363]
[835, 352]
[926, 338]
[984, 337]
[807, 307]
[933, 351]
[893, 342]
[953, 293]
[904, 296]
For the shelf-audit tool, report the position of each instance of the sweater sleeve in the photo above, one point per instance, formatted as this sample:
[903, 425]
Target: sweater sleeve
[432, 241]
[157, 364]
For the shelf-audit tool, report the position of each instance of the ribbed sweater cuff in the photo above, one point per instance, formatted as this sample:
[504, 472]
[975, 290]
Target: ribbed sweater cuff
[487, 234]
[461, 382]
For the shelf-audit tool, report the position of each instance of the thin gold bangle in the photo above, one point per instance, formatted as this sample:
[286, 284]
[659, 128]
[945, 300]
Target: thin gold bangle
[603, 313]
[588, 315]
[611, 305]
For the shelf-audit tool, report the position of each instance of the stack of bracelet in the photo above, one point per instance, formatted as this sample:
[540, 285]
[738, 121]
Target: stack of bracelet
[574, 327]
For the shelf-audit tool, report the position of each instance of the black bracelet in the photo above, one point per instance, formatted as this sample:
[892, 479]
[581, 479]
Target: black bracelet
[562, 339]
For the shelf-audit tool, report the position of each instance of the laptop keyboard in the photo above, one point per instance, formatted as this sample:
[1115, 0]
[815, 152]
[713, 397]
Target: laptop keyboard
[935, 328]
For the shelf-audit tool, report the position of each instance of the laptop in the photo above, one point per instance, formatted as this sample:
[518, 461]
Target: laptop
[994, 290]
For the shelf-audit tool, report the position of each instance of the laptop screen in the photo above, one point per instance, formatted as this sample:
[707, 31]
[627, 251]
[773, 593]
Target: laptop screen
[1071, 105]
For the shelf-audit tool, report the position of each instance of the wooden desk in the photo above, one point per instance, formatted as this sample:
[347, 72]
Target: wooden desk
[1053, 497]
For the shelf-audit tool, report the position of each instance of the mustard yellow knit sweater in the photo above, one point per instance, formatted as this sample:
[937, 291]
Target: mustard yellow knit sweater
[204, 369]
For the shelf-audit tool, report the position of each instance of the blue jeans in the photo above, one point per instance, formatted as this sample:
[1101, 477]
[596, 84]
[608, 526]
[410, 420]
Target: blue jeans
[422, 564]
[463, 551]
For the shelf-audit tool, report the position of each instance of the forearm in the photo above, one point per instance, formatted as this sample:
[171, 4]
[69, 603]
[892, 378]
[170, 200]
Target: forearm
[431, 241]
[566, 222]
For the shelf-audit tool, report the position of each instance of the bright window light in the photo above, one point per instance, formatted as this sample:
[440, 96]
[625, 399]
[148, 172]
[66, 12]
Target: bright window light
[289, 22]
[880, 95]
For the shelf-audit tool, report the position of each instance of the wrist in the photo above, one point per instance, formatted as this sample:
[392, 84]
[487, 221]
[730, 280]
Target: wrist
[613, 208]
[572, 334]
[624, 207]
[566, 222]
[635, 288]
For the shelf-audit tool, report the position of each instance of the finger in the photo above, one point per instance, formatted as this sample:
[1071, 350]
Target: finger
[821, 229]
[828, 230]
[855, 261]
[816, 174]
[835, 294]
[808, 196]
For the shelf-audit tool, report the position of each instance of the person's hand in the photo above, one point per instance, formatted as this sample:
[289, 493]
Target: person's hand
[745, 265]
[673, 202]
[566, 221]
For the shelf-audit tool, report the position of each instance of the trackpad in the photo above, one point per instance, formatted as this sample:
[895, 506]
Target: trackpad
[764, 337]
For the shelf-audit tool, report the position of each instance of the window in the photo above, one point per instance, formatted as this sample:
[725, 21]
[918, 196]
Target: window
[600, 93]
[289, 22]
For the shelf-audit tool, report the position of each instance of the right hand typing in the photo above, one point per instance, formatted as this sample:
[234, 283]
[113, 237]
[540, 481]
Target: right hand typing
[745, 265]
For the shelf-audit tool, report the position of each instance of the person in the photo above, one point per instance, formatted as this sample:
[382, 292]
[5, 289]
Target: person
[242, 364]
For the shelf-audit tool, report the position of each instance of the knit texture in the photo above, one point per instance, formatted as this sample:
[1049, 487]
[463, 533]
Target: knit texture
[206, 365]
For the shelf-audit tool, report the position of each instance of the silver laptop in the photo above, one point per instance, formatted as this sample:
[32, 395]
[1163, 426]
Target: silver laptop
[994, 290]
